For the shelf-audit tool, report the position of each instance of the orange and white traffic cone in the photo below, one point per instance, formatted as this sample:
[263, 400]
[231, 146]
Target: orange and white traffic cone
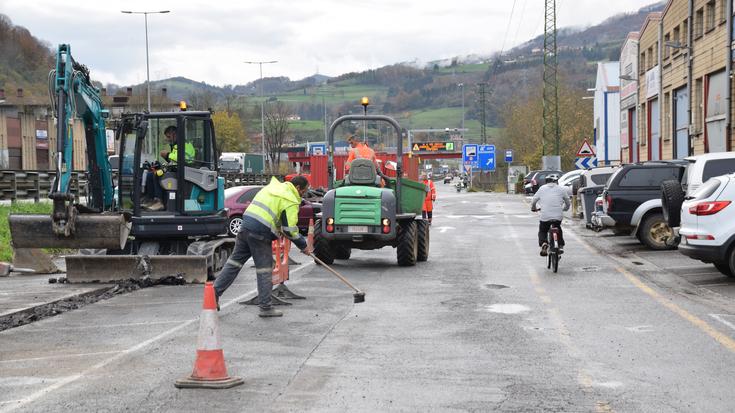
[310, 234]
[209, 368]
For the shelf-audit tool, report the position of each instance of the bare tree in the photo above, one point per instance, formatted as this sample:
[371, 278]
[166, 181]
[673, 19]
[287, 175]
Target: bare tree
[276, 130]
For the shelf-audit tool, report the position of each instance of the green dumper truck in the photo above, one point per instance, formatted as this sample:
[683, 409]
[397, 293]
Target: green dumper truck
[368, 210]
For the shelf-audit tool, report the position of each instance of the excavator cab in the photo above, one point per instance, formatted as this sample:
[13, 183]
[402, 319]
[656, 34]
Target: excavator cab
[183, 184]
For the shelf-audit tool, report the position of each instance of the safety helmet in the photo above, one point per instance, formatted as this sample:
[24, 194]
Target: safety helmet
[552, 178]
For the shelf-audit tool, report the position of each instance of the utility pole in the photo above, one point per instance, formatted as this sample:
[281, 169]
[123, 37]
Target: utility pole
[551, 88]
[483, 93]
[262, 106]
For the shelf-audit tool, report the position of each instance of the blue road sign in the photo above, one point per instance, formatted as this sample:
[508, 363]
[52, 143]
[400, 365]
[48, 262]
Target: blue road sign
[469, 155]
[586, 163]
[318, 149]
[486, 155]
[509, 155]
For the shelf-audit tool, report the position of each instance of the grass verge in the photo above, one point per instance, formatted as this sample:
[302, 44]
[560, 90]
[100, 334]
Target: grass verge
[6, 252]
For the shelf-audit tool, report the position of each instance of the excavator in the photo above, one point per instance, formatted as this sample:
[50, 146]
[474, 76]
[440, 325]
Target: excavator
[118, 234]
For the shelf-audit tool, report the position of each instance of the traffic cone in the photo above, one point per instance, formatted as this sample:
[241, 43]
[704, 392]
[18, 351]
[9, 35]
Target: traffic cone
[310, 235]
[209, 368]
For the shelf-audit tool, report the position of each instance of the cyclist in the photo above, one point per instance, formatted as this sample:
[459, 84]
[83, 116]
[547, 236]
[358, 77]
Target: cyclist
[552, 200]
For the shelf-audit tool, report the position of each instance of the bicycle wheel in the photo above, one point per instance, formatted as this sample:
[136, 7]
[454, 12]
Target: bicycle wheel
[555, 260]
[548, 261]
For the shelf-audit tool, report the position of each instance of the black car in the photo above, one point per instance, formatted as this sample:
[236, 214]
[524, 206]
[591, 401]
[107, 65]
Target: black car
[632, 199]
[538, 178]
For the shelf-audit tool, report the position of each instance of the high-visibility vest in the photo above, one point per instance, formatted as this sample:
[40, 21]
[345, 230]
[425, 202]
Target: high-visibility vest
[360, 151]
[189, 152]
[271, 202]
[430, 195]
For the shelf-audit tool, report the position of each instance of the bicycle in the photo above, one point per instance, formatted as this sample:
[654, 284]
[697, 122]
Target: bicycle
[553, 252]
[552, 239]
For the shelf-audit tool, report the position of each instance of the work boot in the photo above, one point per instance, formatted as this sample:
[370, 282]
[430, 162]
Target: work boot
[157, 205]
[216, 299]
[544, 249]
[270, 312]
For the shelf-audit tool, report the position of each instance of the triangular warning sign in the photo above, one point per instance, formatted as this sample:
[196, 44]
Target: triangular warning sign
[585, 150]
[415, 147]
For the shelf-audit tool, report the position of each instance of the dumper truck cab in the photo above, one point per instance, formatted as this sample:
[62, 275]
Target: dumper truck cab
[368, 210]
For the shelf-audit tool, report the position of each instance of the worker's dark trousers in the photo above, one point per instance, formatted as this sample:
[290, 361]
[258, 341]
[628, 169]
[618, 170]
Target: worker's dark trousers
[543, 230]
[153, 187]
[259, 247]
[427, 215]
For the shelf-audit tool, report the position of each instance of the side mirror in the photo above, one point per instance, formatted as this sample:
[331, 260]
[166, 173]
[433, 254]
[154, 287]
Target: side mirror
[142, 129]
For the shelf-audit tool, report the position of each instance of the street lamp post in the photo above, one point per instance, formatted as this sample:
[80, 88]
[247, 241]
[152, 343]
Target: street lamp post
[461, 86]
[262, 105]
[147, 66]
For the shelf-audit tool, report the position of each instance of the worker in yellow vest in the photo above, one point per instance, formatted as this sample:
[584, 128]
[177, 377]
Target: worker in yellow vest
[273, 212]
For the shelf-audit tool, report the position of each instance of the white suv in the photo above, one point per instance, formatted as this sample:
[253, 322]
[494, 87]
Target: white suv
[708, 224]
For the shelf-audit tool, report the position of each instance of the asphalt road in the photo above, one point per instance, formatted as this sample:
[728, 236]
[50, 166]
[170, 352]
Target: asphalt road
[482, 326]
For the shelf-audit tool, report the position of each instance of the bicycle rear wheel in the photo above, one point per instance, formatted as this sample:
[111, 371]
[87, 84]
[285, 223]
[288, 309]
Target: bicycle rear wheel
[554, 258]
[548, 261]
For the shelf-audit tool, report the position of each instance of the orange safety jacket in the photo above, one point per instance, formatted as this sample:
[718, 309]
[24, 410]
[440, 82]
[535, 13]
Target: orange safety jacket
[430, 195]
[360, 151]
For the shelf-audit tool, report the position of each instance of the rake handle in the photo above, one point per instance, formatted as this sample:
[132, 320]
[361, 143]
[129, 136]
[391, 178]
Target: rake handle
[344, 280]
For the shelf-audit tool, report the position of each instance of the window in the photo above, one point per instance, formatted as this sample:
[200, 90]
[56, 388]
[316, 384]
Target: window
[642, 68]
[684, 33]
[667, 49]
[600, 179]
[248, 196]
[710, 15]
[698, 23]
[717, 167]
[698, 96]
[650, 58]
[649, 177]
[667, 117]
[722, 13]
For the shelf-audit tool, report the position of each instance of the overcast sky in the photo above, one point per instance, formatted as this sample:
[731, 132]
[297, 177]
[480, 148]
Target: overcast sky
[209, 40]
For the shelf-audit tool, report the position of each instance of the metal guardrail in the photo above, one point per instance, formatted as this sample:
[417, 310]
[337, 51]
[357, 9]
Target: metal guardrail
[36, 185]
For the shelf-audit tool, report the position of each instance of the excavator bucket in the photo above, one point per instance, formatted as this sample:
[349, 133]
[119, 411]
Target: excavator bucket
[91, 231]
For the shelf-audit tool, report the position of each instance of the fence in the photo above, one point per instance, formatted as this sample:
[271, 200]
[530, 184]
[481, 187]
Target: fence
[36, 185]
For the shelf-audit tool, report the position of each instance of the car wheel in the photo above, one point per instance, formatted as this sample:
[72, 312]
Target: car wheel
[724, 268]
[233, 225]
[656, 233]
[672, 196]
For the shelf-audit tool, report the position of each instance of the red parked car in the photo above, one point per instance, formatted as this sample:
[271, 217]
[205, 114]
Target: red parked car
[238, 198]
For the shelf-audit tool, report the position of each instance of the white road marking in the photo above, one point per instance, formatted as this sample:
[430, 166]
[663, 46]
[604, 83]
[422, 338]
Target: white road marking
[59, 356]
[70, 379]
[445, 229]
[96, 327]
[455, 216]
[719, 317]
[507, 308]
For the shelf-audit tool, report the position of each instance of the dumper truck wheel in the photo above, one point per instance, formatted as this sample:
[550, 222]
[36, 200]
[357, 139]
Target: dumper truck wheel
[407, 243]
[321, 245]
[423, 240]
[342, 252]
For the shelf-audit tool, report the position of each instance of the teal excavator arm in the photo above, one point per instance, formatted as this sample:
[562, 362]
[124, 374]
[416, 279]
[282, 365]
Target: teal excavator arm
[76, 99]
[96, 224]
